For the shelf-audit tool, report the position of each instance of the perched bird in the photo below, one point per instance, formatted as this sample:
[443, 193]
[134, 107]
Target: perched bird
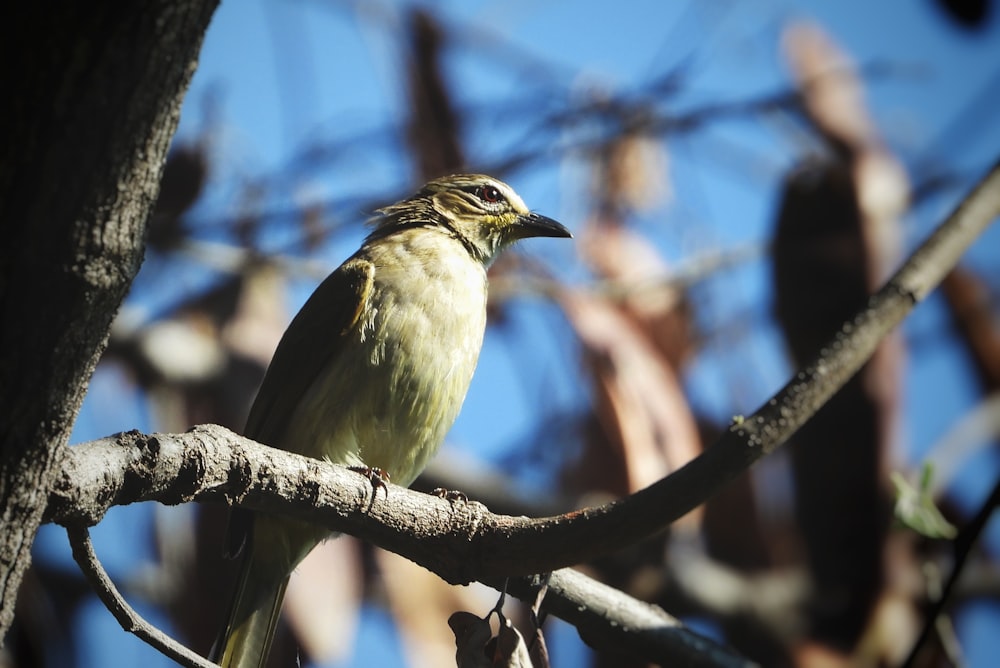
[374, 369]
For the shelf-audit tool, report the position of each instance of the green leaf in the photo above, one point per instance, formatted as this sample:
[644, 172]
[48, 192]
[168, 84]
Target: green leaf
[915, 507]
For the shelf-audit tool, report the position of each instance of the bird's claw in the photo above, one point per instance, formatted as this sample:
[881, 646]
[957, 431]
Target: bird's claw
[376, 476]
[450, 495]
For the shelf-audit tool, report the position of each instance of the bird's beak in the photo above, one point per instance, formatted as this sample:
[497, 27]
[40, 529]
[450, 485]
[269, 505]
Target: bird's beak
[537, 225]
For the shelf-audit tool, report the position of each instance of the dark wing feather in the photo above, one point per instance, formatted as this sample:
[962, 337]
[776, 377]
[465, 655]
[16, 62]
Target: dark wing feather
[311, 342]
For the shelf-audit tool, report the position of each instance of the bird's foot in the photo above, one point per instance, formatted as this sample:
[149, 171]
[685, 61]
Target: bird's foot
[450, 495]
[376, 476]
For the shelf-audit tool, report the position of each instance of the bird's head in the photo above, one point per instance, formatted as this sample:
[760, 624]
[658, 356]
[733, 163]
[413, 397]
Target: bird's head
[484, 213]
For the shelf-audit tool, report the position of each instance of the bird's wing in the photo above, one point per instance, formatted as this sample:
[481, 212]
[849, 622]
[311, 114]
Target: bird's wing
[310, 344]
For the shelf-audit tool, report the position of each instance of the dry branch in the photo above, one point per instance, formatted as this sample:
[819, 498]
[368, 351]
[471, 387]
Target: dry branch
[130, 620]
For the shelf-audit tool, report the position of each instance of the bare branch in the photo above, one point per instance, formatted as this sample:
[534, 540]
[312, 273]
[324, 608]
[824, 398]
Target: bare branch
[638, 628]
[210, 463]
[963, 549]
[130, 620]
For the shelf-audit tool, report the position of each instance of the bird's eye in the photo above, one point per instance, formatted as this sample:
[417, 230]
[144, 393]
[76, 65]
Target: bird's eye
[489, 194]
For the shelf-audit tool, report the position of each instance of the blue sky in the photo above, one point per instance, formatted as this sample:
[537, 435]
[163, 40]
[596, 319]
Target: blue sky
[274, 77]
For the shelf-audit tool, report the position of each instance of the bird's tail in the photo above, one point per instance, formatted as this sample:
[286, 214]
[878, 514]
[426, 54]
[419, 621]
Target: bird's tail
[253, 616]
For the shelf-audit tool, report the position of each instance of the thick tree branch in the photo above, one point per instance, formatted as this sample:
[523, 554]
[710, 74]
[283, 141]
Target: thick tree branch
[452, 539]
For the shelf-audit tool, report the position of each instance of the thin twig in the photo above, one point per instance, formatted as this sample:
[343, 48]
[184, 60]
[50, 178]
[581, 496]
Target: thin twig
[610, 620]
[963, 548]
[129, 619]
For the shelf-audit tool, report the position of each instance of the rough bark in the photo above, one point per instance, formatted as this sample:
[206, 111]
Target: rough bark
[93, 94]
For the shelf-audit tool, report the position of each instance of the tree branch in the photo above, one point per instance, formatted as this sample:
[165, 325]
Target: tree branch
[963, 549]
[611, 620]
[452, 539]
[130, 620]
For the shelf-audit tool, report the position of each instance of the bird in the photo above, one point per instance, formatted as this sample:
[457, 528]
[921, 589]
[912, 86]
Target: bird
[373, 370]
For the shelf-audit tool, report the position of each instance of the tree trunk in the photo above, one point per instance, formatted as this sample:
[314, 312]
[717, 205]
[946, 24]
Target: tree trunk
[93, 94]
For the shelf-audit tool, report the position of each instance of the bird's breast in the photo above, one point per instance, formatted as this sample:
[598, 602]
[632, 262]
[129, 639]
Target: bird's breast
[391, 398]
